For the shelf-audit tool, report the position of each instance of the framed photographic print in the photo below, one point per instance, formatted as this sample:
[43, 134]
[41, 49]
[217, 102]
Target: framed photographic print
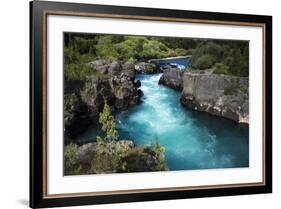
[139, 104]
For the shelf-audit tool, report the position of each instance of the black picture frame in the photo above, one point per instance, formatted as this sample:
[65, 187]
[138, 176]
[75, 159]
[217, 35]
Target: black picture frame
[38, 12]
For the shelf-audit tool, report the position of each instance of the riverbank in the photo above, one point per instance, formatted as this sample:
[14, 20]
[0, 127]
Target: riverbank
[217, 94]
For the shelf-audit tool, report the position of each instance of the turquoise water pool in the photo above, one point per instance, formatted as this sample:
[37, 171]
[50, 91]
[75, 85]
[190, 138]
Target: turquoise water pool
[192, 140]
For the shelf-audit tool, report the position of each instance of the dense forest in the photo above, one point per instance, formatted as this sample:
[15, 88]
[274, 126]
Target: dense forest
[225, 56]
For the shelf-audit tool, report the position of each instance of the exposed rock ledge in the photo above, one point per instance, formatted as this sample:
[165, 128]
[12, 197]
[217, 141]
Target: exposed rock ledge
[111, 82]
[172, 78]
[220, 95]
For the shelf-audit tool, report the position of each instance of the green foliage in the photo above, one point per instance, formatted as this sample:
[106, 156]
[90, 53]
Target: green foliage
[155, 49]
[106, 119]
[130, 48]
[77, 71]
[70, 56]
[80, 49]
[181, 52]
[135, 159]
[184, 43]
[221, 68]
[238, 62]
[100, 140]
[204, 62]
[71, 157]
[133, 48]
[206, 55]
[84, 46]
[124, 48]
[103, 161]
[160, 150]
[233, 57]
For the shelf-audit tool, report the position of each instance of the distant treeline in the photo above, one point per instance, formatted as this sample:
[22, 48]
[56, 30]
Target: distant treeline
[227, 57]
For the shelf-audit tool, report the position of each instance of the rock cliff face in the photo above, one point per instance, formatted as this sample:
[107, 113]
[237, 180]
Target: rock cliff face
[112, 82]
[119, 92]
[220, 95]
[144, 67]
[77, 116]
[172, 78]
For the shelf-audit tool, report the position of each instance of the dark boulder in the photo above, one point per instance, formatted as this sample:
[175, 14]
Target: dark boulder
[172, 78]
[137, 83]
[77, 116]
[148, 68]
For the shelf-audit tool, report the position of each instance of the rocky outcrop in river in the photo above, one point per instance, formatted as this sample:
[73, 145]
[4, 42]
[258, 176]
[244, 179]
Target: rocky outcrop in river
[111, 82]
[221, 95]
[172, 78]
[144, 67]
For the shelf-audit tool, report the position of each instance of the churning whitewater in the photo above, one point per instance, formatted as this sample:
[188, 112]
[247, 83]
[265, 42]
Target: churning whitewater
[192, 140]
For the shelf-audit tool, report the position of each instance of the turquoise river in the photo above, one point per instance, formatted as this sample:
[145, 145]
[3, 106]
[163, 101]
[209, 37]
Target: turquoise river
[192, 140]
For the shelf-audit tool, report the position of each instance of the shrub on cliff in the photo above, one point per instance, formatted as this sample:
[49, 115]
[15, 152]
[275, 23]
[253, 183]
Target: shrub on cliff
[160, 163]
[110, 157]
[221, 68]
[238, 62]
[106, 119]
[204, 62]
[71, 157]
[84, 45]
[77, 71]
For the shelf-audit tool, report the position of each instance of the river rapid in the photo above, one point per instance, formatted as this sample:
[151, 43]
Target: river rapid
[192, 139]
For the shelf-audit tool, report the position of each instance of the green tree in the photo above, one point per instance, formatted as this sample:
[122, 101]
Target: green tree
[106, 119]
[204, 62]
[221, 68]
[160, 150]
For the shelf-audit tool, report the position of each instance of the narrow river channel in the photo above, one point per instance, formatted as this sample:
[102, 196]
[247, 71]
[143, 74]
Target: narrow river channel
[192, 140]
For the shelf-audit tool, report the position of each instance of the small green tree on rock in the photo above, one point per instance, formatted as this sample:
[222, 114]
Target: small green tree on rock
[160, 155]
[106, 119]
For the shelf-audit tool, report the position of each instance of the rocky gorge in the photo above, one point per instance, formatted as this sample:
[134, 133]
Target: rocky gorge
[122, 86]
[111, 82]
[142, 103]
